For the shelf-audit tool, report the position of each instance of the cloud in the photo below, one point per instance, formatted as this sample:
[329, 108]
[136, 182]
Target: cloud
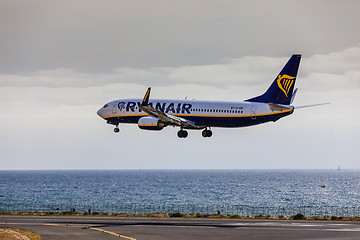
[93, 36]
[334, 63]
[334, 70]
[246, 70]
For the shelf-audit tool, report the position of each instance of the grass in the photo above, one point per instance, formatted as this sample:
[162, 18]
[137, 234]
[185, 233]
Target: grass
[9, 236]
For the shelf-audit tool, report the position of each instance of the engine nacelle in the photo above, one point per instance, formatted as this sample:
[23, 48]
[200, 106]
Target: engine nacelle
[150, 123]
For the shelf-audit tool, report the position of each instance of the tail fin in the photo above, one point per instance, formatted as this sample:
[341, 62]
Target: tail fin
[281, 90]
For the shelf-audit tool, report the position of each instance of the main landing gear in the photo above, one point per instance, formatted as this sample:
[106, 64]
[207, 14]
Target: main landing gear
[182, 133]
[117, 129]
[206, 133]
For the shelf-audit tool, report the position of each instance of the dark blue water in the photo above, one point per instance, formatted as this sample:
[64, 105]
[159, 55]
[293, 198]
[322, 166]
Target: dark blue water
[231, 187]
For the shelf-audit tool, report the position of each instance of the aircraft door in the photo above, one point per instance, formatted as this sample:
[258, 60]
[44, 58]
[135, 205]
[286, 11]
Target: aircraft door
[253, 112]
[114, 108]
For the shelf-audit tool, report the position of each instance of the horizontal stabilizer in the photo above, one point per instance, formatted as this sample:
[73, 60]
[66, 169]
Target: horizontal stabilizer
[277, 107]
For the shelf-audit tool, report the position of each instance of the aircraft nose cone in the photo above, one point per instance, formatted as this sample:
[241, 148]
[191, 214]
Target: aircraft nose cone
[100, 112]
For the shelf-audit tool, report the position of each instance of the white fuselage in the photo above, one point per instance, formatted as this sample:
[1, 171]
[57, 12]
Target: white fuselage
[155, 114]
[203, 113]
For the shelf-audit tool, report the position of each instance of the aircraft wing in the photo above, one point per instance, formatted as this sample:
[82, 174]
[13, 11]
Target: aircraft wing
[164, 117]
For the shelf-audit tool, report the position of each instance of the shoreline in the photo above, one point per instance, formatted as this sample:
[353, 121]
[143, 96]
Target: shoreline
[296, 217]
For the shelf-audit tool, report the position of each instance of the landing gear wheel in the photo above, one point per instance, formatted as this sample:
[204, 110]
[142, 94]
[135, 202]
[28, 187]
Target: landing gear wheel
[206, 133]
[203, 133]
[209, 133]
[182, 134]
[116, 130]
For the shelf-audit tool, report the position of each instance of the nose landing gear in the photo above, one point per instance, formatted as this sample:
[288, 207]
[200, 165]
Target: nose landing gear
[116, 129]
[206, 133]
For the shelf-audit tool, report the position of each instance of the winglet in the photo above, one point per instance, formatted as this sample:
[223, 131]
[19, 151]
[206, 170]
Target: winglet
[145, 101]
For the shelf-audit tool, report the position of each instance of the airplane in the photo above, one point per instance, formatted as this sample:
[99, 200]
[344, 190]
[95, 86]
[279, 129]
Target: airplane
[155, 114]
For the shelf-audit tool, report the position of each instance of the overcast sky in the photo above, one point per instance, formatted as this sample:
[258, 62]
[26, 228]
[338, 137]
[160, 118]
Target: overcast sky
[60, 61]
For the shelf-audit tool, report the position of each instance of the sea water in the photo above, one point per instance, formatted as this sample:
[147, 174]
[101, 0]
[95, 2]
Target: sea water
[198, 187]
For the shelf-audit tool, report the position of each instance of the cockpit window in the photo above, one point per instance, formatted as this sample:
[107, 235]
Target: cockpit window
[105, 106]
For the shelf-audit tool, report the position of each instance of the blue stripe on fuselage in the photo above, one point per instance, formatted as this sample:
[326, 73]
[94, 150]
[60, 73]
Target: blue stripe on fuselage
[210, 121]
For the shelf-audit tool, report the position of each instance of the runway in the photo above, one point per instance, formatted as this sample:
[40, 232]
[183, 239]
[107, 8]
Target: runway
[59, 227]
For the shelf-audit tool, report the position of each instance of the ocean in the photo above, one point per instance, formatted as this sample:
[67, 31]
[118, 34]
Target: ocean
[256, 188]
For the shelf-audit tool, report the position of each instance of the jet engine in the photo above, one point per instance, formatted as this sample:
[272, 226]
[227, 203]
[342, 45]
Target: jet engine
[150, 123]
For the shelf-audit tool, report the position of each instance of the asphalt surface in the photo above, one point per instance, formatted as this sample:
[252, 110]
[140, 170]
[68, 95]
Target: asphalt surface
[58, 227]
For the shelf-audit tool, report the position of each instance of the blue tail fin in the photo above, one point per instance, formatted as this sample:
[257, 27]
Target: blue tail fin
[281, 90]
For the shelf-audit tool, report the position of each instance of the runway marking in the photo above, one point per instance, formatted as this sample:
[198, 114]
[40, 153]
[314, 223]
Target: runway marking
[344, 230]
[91, 228]
[112, 233]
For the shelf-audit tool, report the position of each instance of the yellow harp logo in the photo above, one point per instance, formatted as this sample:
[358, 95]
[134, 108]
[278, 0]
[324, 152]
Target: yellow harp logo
[285, 82]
